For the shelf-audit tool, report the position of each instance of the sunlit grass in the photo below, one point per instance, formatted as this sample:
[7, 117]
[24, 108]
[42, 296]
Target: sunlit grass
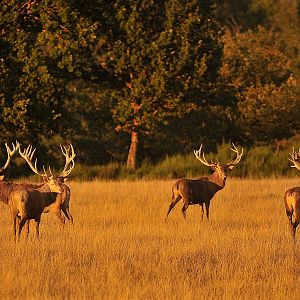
[120, 248]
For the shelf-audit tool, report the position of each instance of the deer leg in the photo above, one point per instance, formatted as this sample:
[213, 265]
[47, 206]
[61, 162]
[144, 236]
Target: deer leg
[173, 203]
[202, 210]
[27, 229]
[37, 227]
[15, 220]
[184, 208]
[60, 216]
[207, 210]
[21, 225]
[294, 227]
[67, 213]
[290, 216]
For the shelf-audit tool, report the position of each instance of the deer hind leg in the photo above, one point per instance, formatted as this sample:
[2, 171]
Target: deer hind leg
[184, 208]
[173, 203]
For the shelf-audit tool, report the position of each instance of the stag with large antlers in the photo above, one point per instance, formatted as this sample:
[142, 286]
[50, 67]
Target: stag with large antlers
[27, 203]
[292, 197]
[7, 187]
[202, 190]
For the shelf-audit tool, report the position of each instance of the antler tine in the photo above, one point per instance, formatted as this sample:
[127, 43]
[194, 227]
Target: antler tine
[294, 156]
[69, 154]
[10, 153]
[238, 155]
[199, 153]
[27, 154]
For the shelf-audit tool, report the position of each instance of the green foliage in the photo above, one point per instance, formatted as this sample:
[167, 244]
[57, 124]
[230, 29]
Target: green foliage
[91, 72]
[163, 55]
[43, 46]
[258, 70]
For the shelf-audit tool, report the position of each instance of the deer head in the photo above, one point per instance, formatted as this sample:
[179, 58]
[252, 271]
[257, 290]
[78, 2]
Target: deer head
[54, 183]
[220, 170]
[10, 153]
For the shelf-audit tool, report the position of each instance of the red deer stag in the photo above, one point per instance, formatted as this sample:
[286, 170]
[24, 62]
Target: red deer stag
[27, 203]
[202, 190]
[292, 198]
[62, 201]
[7, 187]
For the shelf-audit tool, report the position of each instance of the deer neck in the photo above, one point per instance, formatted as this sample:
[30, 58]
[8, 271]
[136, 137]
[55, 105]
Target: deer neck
[215, 178]
[5, 189]
[49, 197]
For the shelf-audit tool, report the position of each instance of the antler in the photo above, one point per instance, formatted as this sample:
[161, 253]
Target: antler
[69, 154]
[238, 155]
[199, 153]
[27, 154]
[294, 158]
[10, 153]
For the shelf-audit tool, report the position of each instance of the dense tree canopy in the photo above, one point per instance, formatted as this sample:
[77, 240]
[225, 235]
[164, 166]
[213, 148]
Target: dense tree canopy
[157, 77]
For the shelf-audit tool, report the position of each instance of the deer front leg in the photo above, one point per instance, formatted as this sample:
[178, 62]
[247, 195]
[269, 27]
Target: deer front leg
[207, 209]
[60, 216]
[202, 210]
[21, 225]
[67, 214]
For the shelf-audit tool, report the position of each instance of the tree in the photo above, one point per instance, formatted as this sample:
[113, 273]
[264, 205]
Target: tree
[164, 59]
[44, 45]
[258, 70]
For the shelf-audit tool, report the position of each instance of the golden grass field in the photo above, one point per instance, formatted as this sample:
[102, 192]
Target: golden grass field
[120, 248]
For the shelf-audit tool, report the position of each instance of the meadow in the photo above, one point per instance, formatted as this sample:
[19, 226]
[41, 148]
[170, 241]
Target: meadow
[121, 248]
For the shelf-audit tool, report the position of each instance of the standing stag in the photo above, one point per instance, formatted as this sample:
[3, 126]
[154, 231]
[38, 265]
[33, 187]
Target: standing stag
[7, 187]
[202, 190]
[292, 197]
[27, 203]
[61, 203]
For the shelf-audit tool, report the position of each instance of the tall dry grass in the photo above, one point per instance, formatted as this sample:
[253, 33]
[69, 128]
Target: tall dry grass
[120, 248]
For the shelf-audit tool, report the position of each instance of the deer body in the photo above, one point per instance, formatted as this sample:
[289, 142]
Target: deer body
[202, 190]
[26, 204]
[292, 207]
[292, 198]
[59, 203]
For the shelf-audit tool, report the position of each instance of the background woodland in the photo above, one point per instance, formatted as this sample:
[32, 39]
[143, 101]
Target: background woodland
[135, 84]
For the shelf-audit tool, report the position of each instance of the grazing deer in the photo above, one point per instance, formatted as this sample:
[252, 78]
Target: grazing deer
[202, 190]
[27, 203]
[292, 197]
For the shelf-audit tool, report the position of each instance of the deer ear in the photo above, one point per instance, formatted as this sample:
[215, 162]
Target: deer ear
[1, 177]
[230, 167]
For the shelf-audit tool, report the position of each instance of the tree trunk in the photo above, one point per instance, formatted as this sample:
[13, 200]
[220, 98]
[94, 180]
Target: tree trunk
[131, 159]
